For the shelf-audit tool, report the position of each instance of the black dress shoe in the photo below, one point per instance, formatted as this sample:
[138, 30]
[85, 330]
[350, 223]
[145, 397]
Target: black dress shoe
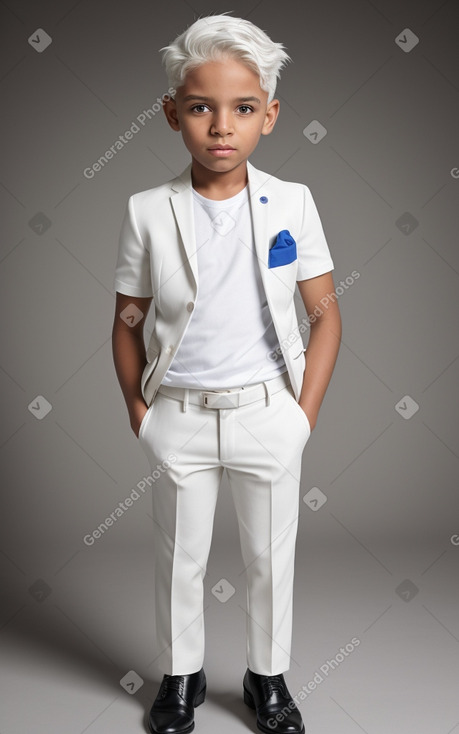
[276, 710]
[173, 709]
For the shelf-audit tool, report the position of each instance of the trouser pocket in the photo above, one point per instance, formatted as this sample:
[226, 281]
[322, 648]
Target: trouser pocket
[303, 415]
[144, 421]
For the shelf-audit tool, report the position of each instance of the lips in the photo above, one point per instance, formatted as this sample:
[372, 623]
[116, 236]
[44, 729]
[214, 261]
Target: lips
[221, 151]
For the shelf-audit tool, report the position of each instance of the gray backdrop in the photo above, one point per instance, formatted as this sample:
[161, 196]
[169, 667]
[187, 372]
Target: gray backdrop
[378, 544]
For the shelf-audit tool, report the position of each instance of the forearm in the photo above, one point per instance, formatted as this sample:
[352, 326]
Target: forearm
[321, 355]
[129, 359]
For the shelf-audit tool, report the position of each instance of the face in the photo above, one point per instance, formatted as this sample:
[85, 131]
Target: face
[221, 104]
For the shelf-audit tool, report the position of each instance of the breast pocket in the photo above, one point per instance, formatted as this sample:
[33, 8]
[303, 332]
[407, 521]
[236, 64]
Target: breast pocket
[281, 282]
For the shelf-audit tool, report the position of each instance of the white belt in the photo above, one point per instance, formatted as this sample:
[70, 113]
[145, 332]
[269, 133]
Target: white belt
[224, 399]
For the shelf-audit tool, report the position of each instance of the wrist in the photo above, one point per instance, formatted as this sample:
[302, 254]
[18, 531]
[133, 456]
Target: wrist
[311, 413]
[135, 404]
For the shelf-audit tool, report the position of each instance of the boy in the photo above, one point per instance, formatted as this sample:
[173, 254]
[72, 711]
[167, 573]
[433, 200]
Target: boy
[224, 383]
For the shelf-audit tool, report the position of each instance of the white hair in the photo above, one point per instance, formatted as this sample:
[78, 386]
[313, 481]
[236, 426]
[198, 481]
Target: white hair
[217, 36]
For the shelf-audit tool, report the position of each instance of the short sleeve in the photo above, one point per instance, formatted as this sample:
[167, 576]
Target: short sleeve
[132, 272]
[313, 254]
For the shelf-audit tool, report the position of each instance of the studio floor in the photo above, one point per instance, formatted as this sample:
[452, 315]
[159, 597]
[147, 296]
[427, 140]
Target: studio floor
[80, 656]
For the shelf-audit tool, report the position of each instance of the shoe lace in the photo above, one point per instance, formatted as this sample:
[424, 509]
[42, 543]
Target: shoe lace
[171, 683]
[274, 684]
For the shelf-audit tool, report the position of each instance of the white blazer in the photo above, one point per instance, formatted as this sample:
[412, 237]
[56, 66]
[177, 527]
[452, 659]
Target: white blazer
[157, 257]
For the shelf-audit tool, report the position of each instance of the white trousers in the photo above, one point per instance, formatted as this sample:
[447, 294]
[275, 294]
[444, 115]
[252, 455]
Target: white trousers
[260, 445]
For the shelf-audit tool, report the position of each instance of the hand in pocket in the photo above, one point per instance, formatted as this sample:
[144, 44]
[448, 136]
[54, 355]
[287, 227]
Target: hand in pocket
[137, 416]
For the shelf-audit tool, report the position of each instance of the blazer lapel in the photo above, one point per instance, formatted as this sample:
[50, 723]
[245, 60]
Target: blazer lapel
[182, 204]
[259, 198]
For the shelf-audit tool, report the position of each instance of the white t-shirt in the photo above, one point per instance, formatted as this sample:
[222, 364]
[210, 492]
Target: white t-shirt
[230, 333]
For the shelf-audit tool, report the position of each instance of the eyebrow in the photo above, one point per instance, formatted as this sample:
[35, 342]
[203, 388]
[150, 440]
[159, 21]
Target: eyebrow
[209, 99]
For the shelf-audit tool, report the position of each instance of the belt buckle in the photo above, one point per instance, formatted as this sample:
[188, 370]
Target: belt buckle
[220, 400]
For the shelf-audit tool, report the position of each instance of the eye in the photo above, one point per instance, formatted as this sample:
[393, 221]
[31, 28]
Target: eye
[245, 107]
[198, 107]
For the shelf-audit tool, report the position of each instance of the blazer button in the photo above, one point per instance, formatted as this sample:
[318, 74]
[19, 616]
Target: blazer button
[190, 306]
[170, 349]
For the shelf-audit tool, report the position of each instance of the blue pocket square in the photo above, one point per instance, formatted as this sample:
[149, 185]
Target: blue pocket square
[283, 251]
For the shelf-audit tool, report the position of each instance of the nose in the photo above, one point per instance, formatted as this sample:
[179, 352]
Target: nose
[221, 124]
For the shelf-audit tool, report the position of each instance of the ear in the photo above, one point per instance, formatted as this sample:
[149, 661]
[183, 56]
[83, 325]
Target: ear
[170, 110]
[272, 113]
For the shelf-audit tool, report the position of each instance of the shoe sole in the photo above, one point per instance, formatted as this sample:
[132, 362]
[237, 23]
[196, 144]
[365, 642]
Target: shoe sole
[248, 699]
[200, 698]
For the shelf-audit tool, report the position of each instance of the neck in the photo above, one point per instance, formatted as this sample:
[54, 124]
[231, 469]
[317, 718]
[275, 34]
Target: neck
[218, 185]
